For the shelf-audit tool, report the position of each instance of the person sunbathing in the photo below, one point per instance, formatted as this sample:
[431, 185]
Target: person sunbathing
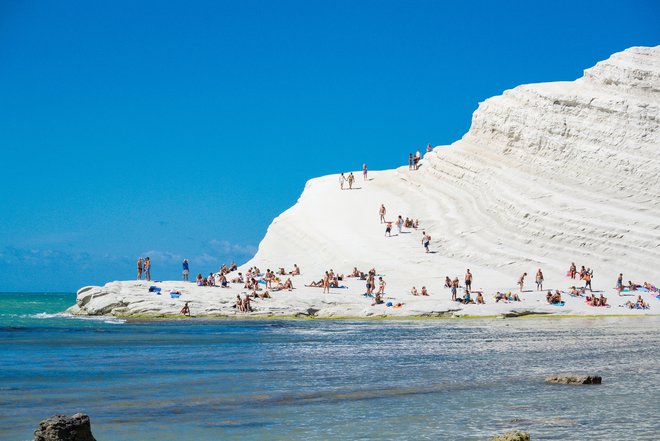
[282, 272]
[650, 287]
[355, 273]
[513, 297]
[424, 291]
[480, 299]
[413, 291]
[239, 303]
[238, 279]
[200, 279]
[632, 286]
[499, 296]
[603, 300]
[295, 271]
[185, 310]
[548, 296]
[641, 304]
[318, 284]
[447, 282]
[286, 285]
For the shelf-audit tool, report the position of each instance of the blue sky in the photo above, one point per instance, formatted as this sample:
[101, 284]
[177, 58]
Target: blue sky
[181, 129]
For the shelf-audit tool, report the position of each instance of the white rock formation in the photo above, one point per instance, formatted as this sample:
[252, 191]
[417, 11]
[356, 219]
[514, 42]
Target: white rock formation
[548, 174]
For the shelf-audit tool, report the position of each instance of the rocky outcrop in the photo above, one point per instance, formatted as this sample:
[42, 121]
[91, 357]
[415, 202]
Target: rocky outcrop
[515, 435]
[64, 428]
[574, 379]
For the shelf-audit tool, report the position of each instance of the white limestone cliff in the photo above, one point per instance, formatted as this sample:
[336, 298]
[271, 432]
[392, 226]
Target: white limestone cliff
[548, 174]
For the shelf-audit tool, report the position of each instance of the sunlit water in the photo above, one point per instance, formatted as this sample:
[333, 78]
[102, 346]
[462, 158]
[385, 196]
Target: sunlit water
[325, 380]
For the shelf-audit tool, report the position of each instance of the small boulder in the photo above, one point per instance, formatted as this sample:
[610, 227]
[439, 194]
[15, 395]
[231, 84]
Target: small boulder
[514, 435]
[65, 428]
[574, 379]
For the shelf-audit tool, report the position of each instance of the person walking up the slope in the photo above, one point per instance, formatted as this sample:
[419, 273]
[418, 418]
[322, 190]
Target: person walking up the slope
[539, 280]
[342, 179]
[468, 280]
[426, 240]
[399, 223]
[364, 171]
[388, 229]
[351, 178]
[382, 212]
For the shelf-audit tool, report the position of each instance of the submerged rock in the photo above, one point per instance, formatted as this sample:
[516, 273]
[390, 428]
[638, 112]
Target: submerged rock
[574, 379]
[514, 435]
[65, 428]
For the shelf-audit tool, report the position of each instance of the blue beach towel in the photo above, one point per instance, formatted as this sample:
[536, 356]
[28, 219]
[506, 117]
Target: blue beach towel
[154, 289]
[558, 304]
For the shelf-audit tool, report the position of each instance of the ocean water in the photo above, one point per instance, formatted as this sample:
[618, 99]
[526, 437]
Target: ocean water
[192, 379]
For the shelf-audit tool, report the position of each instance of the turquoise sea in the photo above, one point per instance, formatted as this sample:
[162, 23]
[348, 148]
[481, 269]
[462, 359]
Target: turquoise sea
[193, 379]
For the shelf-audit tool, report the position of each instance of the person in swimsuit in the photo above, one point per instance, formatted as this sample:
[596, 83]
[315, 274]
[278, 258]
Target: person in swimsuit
[539, 280]
[139, 268]
[147, 268]
[413, 291]
[381, 286]
[388, 229]
[410, 161]
[454, 287]
[351, 179]
[382, 212]
[342, 179]
[619, 282]
[399, 223]
[468, 280]
[185, 310]
[521, 281]
[364, 171]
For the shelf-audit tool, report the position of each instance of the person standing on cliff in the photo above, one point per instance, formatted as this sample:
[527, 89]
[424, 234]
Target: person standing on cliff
[351, 179]
[521, 281]
[382, 212]
[147, 269]
[186, 270]
[468, 280]
[539, 280]
[364, 171]
[342, 179]
[410, 161]
[139, 268]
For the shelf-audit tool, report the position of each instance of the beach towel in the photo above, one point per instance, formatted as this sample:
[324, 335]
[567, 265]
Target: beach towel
[175, 295]
[154, 289]
[558, 304]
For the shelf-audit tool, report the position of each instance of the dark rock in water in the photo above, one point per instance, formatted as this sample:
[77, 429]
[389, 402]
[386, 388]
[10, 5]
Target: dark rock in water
[515, 435]
[65, 428]
[574, 379]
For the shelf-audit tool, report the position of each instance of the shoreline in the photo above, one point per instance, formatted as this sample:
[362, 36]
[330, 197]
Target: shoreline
[169, 318]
